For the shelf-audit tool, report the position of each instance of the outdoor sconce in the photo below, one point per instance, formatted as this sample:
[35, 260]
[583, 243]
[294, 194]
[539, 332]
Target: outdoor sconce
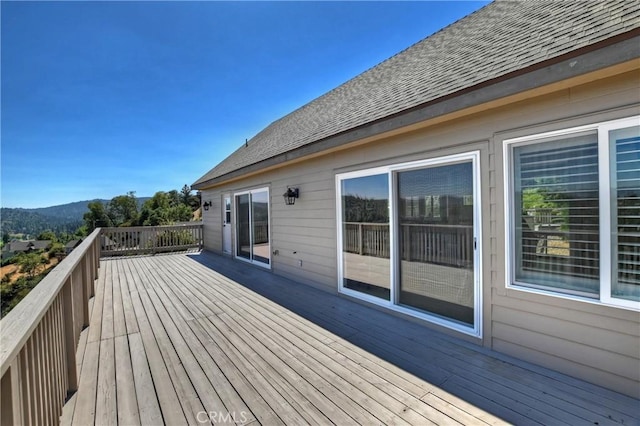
[290, 196]
[206, 205]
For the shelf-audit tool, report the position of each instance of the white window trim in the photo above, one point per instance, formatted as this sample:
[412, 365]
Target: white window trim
[391, 304]
[235, 209]
[602, 130]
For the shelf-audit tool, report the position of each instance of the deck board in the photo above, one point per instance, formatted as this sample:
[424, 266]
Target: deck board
[199, 338]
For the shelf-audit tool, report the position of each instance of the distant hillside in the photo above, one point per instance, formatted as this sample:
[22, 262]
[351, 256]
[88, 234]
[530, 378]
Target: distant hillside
[23, 221]
[72, 211]
[62, 218]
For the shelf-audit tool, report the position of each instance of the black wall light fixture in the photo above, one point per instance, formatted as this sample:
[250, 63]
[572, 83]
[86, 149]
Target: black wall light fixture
[207, 204]
[290, 196]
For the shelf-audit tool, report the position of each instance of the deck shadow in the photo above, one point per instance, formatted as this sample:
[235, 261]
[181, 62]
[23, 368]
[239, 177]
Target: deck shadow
[495, 383]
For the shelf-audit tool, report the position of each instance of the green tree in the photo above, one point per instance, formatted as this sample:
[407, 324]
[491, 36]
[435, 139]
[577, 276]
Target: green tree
[5, 237]
[29, 263]
[11, 293]
[96, 217]
[164, 208]
[123, 209]
[47, 235]
[192, 201]
[180, 213]
[82, 231]
[65, 237]
[174, 197]
[56, 250]
[185, 194]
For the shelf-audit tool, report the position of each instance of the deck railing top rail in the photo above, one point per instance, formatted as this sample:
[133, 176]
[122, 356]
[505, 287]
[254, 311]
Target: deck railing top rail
[18, 325]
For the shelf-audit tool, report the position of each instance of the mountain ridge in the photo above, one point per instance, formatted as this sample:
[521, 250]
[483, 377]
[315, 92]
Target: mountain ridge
[59, 218]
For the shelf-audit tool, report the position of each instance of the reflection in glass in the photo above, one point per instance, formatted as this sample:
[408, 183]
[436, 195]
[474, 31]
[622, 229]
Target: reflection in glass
[436, 240]
[243, 248]
[556, 212]
[365, 235]
[260, 226]
[252, 219]
[625, 183]
[227, 210]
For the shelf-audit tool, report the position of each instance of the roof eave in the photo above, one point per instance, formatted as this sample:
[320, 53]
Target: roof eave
[616, 50]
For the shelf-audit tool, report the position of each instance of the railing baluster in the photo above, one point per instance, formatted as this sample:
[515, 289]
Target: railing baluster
[46, 396]
[72, 378]
[40, 373]
[85, 274]
[62, 354]
[8, 398]
[56, 345]
[45, 370]
[35, 392]
[25, 375]
[17, 403]
[50, 372]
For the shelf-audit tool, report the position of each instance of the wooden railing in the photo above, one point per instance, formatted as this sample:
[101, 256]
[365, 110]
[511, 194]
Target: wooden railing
[450, 245]
[39, 337]
[368, 239]
[151, 239]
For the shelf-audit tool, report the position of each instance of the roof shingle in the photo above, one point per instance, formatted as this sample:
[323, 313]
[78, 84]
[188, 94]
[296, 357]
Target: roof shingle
[501, 38]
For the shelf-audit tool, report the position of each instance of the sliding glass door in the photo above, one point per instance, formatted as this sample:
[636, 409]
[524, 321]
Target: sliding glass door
[435, 220]
[407, 238]
[252, 226]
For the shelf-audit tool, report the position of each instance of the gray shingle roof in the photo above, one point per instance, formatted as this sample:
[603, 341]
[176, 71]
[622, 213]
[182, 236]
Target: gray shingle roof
[21, 246]
[501, 38]
[73, 244]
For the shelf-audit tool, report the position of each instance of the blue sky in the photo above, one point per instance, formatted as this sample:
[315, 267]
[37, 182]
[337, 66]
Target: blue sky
[102, 98]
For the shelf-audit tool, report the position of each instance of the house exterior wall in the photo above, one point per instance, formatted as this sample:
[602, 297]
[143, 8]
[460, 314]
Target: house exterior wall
[591, 341]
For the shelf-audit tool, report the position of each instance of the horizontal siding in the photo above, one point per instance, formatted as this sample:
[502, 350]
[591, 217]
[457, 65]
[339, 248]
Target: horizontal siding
[589, 341]
[587, 344]
[306, 228]
[307, 275]
[212, 220]
[623, 321]
[569, 367]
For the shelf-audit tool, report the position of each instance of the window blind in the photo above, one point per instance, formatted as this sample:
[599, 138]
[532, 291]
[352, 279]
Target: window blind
[557, 208]
[627, 247]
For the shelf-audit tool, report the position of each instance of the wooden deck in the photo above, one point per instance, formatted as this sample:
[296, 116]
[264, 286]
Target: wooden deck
[198, 338]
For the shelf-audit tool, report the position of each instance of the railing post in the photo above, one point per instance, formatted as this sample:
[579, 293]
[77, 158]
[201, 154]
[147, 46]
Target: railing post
[69, 337]
[360, 239]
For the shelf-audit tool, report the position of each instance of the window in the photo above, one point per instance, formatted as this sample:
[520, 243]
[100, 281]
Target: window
[406, 239]
[365, 229]
[573, 208]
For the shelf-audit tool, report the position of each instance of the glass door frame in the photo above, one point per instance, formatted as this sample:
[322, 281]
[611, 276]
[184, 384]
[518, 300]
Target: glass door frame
[392, 171]
[237, 223]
